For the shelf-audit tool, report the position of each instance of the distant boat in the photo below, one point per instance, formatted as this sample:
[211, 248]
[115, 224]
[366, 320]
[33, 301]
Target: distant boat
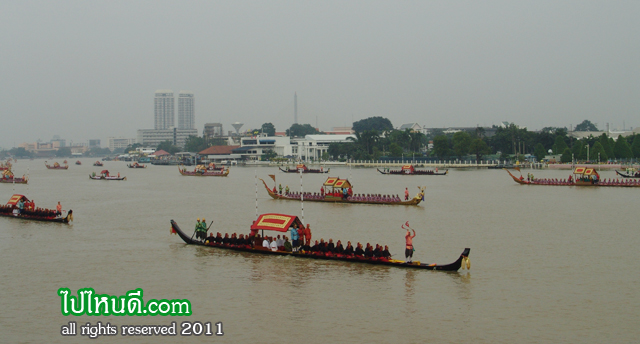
[409, 170]
[78, 162]
[104, 175]
[201, 171]
[304, 169]
[56, 166]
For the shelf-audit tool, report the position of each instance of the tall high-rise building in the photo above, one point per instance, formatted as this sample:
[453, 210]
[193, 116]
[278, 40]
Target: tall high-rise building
[163, 109]
[186, 113]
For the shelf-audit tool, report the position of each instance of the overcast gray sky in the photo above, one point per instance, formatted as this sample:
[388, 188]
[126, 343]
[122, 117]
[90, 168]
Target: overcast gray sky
[89, 69]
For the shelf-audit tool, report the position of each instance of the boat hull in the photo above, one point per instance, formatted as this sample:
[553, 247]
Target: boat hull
[416, 173]
[625, 175]
[291, 170]
[106, 178]
[455, 266]
[37, 218]
[14, 180]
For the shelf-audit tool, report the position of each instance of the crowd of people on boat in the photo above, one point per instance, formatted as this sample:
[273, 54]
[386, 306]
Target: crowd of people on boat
[344, 193]
[28, 208]
[594, 179]
[356, 197]
[283, 244]
[300, 243]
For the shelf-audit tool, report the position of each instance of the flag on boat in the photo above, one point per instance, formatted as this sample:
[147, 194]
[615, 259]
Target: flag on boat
[273, 176]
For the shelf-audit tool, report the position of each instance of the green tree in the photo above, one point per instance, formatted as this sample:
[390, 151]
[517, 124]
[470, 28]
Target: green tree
[301, 130]
[479, 148]
[195, 144]
[540, 152]
[586, 125]
[566, 156]
[20, 152]
[578, 149]
[598, 152]
[380, 124]
[168, 147]
[395, 149]
[461, 142]
[401, 137]
[416, 140]
[441, 147]
[622, 149]
[268, 155]
[63, 152]
[560, 145]
[366, 140]
[608, 149]
[269, 129]
[132, 147]
[635, 146]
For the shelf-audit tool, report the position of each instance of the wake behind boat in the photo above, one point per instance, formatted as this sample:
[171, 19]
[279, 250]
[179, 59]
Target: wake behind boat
[302, 168]
[409, 170]
[19, 207]
[336, 190]
[282, 223]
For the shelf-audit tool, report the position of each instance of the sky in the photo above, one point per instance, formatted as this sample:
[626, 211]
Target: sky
[89, 69]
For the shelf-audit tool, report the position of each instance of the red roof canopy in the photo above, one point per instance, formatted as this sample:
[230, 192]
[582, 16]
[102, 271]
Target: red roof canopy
[15, 198]
[218, 150]
[161, 152]
[275, 222]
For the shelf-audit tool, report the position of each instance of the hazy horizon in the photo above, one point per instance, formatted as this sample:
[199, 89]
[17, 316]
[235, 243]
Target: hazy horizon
[89, 70]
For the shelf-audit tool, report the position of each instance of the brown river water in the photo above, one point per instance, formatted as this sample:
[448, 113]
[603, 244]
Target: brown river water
[548, 264]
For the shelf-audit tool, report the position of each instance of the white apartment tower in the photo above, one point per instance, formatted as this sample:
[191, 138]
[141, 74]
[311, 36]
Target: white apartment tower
[163, 109]
[186, 113]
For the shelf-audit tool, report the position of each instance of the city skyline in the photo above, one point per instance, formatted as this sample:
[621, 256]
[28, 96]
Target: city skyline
[440, 64]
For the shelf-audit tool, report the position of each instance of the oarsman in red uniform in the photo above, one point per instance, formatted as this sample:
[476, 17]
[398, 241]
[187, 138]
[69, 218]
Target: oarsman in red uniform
[408, 252]
[322, 191]
[307, 235]
[406, 194]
